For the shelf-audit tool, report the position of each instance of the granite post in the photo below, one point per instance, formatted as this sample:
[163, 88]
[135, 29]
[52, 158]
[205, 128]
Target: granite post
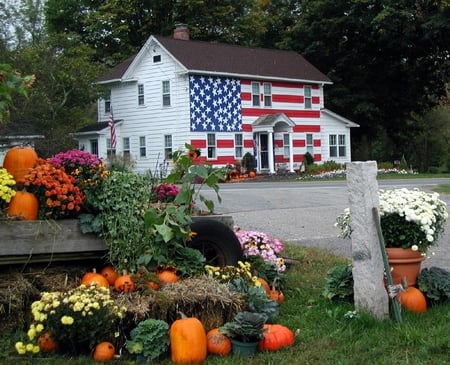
[368, 270]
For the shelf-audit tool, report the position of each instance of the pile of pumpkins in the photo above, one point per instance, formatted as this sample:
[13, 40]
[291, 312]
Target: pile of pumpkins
[189, 342]
[18, 161]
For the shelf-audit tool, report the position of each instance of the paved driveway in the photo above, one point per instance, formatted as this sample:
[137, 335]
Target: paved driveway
[304, 212]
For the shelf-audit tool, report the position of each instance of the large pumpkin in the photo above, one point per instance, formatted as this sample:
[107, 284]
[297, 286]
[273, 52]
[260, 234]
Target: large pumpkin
[46, 342]
[110, 274]
[217, 343]
[187, 341]
[18, 160]
[276, 336]
[93, 277]
[104, 352]
[24, 205]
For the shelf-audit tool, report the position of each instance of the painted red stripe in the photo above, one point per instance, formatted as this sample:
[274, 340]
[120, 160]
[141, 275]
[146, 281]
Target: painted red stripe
[246, 96]
[299, 143]
[246, 128]
[298, 99]
[317, 143]
[198, 143]
[294, 85]
[315, 100]
[225, 143]
[306, 128]
[256, 112]
[248, 143]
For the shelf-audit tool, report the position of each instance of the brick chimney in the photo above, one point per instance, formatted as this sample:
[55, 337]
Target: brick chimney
[181, 31]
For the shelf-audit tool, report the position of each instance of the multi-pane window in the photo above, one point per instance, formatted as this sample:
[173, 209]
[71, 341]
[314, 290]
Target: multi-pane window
[107, 102]
[109, 150]
[238, 145]
[308, 97]
[211, 145]
[126, 147]
[309, 144]
[337, 145]
[93, 146]
[141, 99]
[267, 94]
[286, 145]
[142, 147]
[341, 145]
[166, 92]
[168, 147]
[255, 94]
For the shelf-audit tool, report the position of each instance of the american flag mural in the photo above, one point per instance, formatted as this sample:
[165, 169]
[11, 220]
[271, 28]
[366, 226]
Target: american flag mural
[215, 104]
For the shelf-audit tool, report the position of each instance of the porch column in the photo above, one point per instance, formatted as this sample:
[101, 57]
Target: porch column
[270, 151]
[291, 154]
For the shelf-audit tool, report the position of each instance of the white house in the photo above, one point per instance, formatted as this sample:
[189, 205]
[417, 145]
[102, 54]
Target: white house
[224, 99]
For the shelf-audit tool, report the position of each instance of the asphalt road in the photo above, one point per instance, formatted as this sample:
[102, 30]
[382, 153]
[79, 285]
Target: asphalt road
[304, 212]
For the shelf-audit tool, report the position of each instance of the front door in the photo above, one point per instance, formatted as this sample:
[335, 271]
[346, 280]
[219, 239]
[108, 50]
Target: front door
[263, 150]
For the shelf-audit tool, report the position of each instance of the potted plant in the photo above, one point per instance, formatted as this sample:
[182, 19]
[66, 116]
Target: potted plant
[411, 222]
[149, 340]
[244, 331]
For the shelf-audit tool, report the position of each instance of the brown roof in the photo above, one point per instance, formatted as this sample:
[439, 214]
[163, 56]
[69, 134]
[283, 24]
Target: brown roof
[220, 58]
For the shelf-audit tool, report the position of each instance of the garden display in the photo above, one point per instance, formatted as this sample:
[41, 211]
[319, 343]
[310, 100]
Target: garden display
[150, 272]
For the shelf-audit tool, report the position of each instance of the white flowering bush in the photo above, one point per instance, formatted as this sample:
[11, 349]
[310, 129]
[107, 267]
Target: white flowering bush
[255, 243]
[409, 218]
[77, 319]
[6, 187]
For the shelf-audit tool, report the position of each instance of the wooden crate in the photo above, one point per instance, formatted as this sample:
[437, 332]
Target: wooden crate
[46, 241]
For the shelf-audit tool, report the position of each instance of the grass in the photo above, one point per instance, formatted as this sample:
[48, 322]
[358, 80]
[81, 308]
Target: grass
[325, 334]
[442, 189]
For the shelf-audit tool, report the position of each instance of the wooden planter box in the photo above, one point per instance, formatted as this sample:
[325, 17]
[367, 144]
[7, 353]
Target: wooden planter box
[48, 241]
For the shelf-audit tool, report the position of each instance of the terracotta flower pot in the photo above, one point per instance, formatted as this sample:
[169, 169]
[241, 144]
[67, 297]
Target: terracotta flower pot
[404, 263]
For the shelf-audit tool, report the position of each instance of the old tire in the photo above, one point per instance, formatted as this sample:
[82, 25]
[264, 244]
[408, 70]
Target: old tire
[217, 242]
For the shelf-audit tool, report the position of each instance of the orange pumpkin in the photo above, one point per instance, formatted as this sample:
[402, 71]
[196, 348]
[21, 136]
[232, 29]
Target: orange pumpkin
[252, 174]
[124, 283]
[217, 343]
[413, 300]
[104, 352]
[46, 342]
[153, 285]
[187, 341]
[24, 205]
[265, 285]
[18, 160]
[93, 277]
[110, 274]
[167, 275]
[277, 295]
[275, 337]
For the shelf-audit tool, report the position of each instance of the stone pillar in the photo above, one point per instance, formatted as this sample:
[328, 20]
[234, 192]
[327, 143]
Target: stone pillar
[368, 270]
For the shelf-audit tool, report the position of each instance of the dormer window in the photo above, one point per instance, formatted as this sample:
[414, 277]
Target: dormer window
[157, 58]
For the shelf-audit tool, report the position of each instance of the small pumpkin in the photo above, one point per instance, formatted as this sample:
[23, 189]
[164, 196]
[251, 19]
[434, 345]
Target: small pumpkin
[124, 283]
[104, 351]
[277, 295]
[153, 285]
[24, 205]
[167, 275]
[18, 160]
[217, 343]
[110, 274]
[46, 342]
[94, 277]
[187, 341]
[275, 337]
[252, 174]
[412, 298]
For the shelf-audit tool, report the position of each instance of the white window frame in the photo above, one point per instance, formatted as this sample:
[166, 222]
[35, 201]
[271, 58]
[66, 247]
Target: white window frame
[307, 96]
[211, 145]
[238, 145]
[286, 145]
[309, 141]
[126, 147]
[342, 146]
[141, 95]
[142, 147]
[107, 102]
[109, 150]
[333, 145]
[166, 92]
[267, 94]
[256, 94]
[168, 147]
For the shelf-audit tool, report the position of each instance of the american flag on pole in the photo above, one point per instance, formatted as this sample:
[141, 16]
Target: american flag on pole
[113, 130]
[215, 104]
